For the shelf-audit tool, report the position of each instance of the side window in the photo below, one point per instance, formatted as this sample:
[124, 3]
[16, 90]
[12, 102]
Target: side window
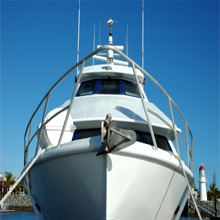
[110, 87]
[143, 137]
[162, 142]
[87, 88]
[131, 89]
[149, 139]
[86, 133]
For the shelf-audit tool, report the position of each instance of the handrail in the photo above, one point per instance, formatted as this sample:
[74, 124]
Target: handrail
[206, 208]
[71, 104]
[39, 130]
[69, 107]
[145, 108]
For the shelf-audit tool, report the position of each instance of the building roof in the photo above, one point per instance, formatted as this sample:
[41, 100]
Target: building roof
[2, 177]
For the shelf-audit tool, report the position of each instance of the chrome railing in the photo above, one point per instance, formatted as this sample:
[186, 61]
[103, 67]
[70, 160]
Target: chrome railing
[189, 146]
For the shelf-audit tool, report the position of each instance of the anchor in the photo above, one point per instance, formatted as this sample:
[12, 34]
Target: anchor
[114, 138]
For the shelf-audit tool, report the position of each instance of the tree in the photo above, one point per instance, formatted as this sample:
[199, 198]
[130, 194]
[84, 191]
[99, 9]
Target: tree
[213, 190]
[19, 187]
[10, 180]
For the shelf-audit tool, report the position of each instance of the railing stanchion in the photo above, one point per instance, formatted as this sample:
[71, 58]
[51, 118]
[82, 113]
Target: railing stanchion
[71, 104]
[42, 121]
[27, 150]
[191, 153]
[24, 150]
[145, 108]
[174, 127]
[187, 143]
[30, 129]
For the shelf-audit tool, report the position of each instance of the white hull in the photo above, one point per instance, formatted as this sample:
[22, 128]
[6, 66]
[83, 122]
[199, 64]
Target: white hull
[137, 182]
[137, 174]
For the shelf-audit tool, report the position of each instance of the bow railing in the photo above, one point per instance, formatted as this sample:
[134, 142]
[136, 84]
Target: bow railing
[28, 137]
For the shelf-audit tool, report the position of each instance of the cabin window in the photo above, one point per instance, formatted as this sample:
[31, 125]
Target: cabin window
[108, 86]
[131, 89]
[87, 88]
[143, 137]
[86, 133]
[162, 142]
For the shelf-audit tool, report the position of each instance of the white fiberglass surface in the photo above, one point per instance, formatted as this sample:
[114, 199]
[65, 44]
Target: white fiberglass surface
[120, 106]
[148, 189]
[97, 71]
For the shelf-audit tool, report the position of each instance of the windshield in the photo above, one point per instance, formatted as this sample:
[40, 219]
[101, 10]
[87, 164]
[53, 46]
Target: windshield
[108, 86]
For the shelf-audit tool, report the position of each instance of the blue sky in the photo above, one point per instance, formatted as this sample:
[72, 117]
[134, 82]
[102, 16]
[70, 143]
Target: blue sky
[39, 44]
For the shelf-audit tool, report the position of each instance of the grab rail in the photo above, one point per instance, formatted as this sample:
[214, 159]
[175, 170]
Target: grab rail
[69, 107]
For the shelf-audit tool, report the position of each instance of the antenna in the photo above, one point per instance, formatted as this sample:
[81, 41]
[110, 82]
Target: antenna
[143, 34]
[78, 35]
[110, 55]
[94, 43]
[99, 32]
[110, 22]
[127, 41]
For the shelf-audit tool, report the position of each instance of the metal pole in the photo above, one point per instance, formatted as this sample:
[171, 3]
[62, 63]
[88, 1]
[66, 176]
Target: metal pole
[94, 44]
[127, 40]
[143, 34]
[71, 104]
[42, 122]
[99, 32]
[145, 108]
[187, 143]
[174, 127]
[78, 35]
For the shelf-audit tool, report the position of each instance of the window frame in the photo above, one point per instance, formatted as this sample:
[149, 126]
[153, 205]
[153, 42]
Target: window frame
[142, 135]
[97, 88]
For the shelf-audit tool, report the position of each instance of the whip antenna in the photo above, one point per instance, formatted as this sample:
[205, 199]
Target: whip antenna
[127, 41]
[94, 43]
[78, 35]
[143, 34]
[99, 31]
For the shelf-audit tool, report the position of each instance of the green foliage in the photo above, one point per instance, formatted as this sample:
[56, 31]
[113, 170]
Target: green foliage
[10, 179]
[213, 191]
[19, 187]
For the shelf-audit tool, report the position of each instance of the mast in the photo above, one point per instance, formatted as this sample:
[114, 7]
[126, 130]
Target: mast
[78, 35]
[143, 34]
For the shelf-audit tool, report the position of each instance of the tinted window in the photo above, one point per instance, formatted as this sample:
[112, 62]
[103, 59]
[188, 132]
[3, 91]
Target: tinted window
[143, 137]
[162, 142]
[87, 88]
[110, 87]
[131, 89]
[86, 133]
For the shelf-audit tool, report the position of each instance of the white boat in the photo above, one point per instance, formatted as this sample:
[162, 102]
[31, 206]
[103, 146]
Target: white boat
[108, 153]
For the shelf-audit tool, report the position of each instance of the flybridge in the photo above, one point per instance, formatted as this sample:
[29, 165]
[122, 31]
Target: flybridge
[109, 56]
